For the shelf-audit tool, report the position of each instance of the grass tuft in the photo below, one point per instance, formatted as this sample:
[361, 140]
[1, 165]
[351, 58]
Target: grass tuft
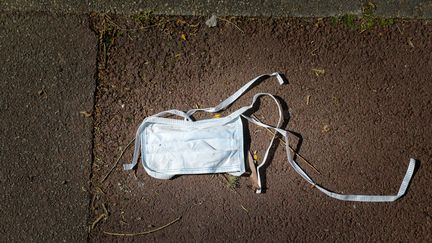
[368, 20]
[233, 182]
[145, 18]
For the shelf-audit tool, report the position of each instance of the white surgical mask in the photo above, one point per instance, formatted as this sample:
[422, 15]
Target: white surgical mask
[172, 147]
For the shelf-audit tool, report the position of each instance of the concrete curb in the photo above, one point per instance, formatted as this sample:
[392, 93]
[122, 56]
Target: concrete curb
[286, 8]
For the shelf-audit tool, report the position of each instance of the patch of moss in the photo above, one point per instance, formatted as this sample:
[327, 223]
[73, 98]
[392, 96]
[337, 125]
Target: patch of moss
[233, 182]
[107, 33]
[349, 21]
[334, 20]
[145, 18]
[366, 21]
[386, 22]
[368, 18]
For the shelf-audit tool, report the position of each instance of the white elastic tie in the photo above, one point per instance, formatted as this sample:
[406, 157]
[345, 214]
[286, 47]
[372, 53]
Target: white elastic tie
[265, 158]
[350, 197]
[228, 101]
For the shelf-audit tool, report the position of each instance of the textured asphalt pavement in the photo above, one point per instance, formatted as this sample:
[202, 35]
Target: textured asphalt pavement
[360, 101]
[47, 77]
[48, 66]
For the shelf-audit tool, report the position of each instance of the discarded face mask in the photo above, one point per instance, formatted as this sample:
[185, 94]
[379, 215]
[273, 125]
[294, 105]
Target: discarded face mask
[172, 147]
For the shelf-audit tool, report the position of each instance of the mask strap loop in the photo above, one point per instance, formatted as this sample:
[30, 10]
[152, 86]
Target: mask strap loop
[228, 101]
[344, 197]
[351, 197]
[279, 124]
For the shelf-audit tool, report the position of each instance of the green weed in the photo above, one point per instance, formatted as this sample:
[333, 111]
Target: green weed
[368, 20]
[350, 21]
[145, 18]
[233, 182]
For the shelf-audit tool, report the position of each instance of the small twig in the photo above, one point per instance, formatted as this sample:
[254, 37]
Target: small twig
[145, 232]
[94, 198]
[400, 31]
[99, 190]
[301, 157]
[140, 28]
[118, 160]
[226, 20]
[102, 216]
[247, 211]
[126, 29]
[105, 210]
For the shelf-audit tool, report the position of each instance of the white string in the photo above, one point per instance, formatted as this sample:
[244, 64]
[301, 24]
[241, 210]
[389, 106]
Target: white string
[228, 101]
[344, 197]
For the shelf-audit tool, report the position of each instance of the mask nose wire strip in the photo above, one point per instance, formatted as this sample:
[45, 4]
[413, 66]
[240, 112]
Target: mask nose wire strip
[228, 101]
[141, 127]
[344, 197]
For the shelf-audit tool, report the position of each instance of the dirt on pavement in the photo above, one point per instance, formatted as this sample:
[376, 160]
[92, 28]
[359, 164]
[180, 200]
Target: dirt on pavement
[360, 101]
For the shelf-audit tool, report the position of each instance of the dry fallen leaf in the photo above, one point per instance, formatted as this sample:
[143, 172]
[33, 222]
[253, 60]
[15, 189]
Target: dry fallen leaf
[326, 128]
[335, 100]
[318, 72]
[319, 22]
[180, 22]
[85, 114]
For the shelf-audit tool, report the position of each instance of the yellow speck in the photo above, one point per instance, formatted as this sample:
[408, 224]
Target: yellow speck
[217, 115]
[183, 37]
[318, 72]
[85, 114]
[180, 22]
[335, 100]
[255, 155]
[326, 128]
